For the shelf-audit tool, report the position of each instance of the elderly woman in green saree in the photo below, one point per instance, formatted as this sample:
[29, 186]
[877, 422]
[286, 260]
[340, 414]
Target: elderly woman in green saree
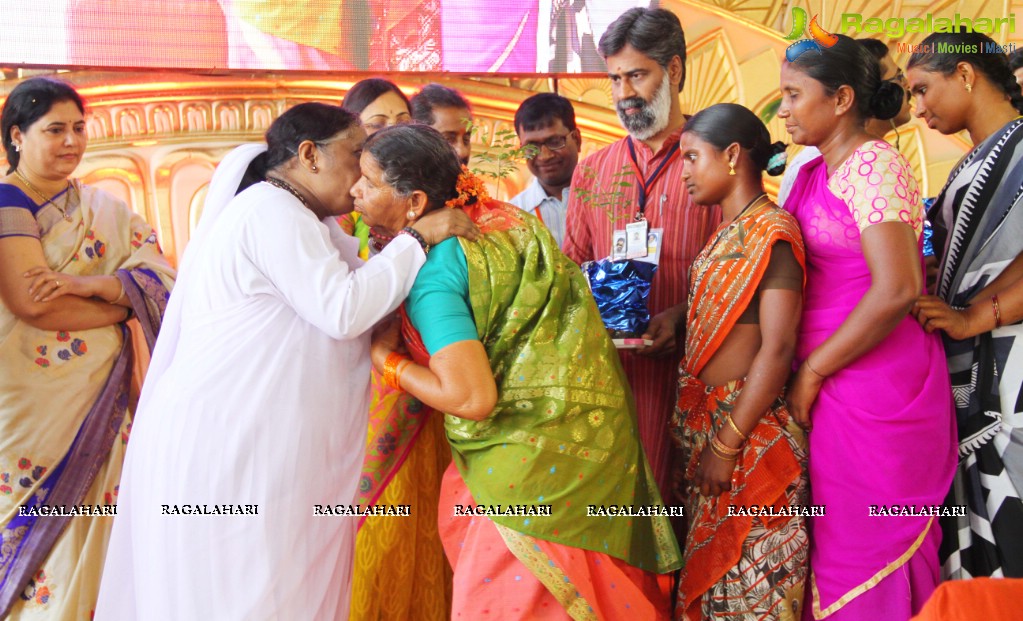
[506, 340]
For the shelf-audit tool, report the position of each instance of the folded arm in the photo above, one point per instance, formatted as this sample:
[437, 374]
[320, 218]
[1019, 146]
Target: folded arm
[24, 255]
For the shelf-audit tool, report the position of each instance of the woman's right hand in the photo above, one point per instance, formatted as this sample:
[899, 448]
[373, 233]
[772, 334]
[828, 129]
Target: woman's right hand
[48, 285]
[806, 385]
[441, 224]
[386, 341]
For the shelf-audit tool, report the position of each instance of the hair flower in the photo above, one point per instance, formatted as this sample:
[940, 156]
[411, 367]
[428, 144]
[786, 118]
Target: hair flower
[470, 189]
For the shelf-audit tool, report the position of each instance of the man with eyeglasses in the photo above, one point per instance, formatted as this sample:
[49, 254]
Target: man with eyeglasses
[545, 125]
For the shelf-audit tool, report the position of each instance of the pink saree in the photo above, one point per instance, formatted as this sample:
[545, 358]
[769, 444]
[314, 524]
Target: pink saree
[883, 432]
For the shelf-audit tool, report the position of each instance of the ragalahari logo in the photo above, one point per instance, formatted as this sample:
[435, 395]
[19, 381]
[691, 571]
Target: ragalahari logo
[819, 38]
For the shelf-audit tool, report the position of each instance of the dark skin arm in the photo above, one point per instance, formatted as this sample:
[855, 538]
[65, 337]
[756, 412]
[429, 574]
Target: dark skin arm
[22, 256]
[896, 280]
[458, 381]
[780, 310]
[979, 317]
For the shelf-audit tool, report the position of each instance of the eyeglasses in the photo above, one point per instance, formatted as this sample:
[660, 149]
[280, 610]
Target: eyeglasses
[554, 143]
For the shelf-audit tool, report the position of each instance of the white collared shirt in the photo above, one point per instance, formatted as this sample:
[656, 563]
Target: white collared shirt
[551, 210]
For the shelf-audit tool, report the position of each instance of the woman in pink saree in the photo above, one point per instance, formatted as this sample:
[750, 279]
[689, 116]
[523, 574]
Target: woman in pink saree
[871, 383]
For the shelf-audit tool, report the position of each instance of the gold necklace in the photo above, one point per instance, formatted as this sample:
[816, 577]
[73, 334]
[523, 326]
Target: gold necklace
[49, 201]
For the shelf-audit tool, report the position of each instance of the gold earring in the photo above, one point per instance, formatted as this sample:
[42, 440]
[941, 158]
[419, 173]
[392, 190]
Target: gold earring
[969, 87]
[731, 168]
[315, 169]
[411, 215]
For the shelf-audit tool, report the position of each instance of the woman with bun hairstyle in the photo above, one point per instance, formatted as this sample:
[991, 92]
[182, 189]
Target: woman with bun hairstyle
[870, 382]
[978, 238]
[741, 445]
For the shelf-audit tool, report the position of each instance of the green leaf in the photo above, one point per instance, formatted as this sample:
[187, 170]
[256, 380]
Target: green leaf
[770, 111]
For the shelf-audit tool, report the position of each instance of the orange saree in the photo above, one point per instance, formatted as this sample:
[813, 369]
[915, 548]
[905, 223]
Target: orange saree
[737, 564]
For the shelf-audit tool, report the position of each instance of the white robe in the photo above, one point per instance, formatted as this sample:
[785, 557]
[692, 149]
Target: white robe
[258, 395]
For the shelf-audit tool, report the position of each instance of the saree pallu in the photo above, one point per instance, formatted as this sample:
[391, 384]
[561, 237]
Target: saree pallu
[563, 432]
[64, 405]
[882, 434]
[741, 567]
[978, 219]
[534, 579]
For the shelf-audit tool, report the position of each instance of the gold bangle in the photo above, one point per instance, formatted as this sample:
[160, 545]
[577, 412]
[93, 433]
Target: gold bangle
[123, 292]
[719, 454]
[813, 370]
[735, 428]
[997, 311]
[718, 445]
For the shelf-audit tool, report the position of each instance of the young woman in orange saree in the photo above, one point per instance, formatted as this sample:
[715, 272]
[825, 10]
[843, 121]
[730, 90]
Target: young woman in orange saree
[745, 453]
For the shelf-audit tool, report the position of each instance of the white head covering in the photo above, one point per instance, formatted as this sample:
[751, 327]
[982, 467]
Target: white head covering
[224, 184]
[223, 187]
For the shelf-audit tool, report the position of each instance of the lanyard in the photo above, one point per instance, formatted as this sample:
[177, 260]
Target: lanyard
[539, 216]
[647, 183]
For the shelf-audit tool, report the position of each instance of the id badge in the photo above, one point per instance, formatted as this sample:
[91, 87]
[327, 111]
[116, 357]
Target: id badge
[636, 239]
[654, 238]
[618, 245]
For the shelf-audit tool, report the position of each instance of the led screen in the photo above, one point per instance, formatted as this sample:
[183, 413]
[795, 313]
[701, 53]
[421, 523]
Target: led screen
[465, 36]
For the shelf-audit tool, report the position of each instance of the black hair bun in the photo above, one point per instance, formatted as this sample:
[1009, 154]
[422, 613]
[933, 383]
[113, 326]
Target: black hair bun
[887, 101]
[777, 158]
[1012, 91]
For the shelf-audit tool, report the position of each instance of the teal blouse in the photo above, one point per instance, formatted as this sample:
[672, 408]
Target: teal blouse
[438, 304]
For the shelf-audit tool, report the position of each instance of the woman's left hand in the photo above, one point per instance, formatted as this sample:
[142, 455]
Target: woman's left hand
[806, 385]
[713, 474]
[48, 285]
[386, 341]
[933, 313]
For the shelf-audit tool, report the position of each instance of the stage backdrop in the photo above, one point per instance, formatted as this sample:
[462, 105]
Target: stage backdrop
[462, 36]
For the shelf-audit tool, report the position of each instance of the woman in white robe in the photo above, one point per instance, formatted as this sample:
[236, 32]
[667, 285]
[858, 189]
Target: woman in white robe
[254, 410]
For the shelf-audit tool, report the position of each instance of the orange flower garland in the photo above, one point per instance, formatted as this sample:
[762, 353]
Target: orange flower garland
[470, 189]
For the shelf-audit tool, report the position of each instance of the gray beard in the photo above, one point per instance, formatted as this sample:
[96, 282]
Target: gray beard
[653, 116]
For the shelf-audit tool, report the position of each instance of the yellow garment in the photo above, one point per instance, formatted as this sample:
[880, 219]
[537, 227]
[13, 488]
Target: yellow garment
[316, 23]
[400, 570]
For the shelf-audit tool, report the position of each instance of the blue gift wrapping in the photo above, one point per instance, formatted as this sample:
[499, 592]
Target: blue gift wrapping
[928, 231]
[621, 289]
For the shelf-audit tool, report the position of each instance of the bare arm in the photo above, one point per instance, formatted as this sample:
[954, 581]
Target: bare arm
[895, 283]
[19, 255]
[979, 317]
[896, 280]
[780, 311]
[458, 381]
[1009, 278]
